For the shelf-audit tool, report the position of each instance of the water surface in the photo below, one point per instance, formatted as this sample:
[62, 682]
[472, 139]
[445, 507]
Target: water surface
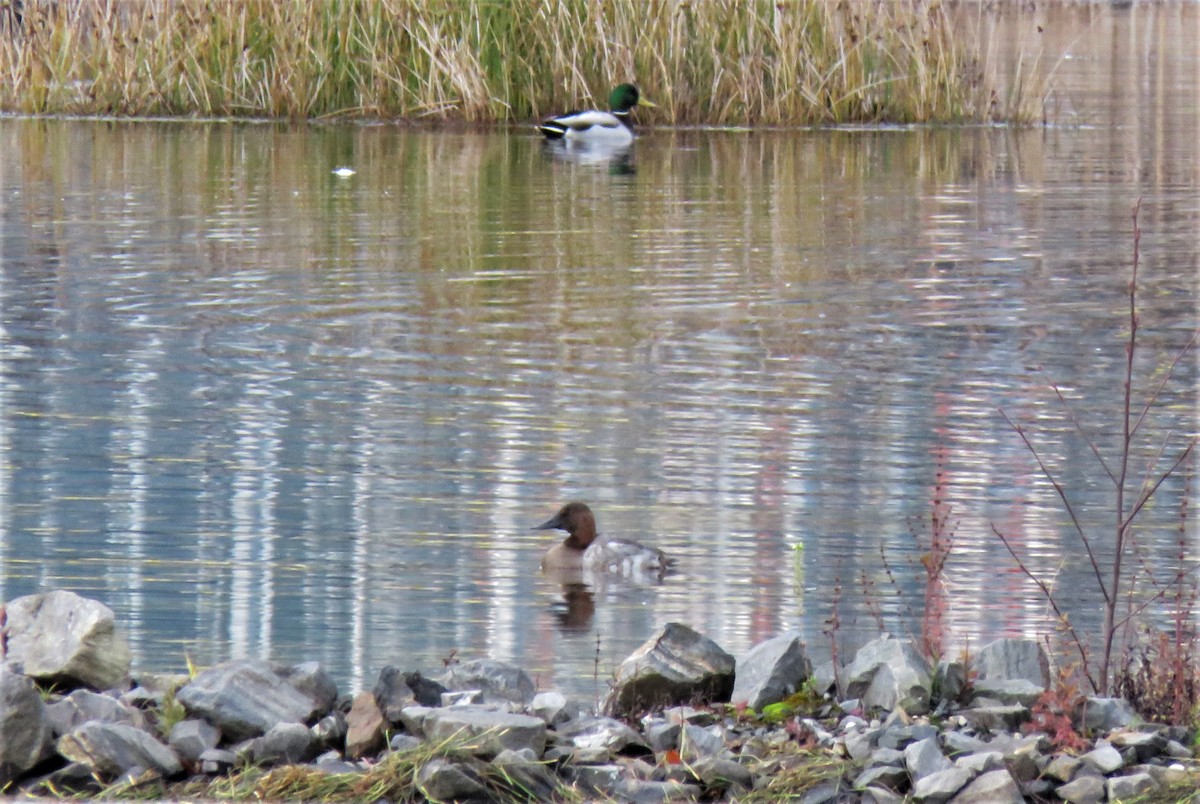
[261, 410]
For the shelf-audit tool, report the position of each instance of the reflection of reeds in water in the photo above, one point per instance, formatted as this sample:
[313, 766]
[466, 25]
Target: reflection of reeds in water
[721, 62]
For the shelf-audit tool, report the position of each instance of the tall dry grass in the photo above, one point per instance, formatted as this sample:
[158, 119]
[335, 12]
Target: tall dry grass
[732, 62]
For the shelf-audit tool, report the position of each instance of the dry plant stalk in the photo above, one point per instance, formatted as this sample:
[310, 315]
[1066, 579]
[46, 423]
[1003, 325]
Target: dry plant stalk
[715, 62]
[1114, 581]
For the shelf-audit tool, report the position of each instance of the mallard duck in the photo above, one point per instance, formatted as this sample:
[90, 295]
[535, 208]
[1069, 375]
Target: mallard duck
[610, 128]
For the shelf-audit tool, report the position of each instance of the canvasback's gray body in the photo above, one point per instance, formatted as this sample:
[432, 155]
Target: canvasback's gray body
[584, 550]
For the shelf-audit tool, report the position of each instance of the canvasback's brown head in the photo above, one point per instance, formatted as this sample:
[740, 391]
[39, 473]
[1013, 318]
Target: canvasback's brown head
[577, 520]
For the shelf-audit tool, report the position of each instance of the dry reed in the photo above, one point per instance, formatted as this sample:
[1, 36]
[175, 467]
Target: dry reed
[727, 62]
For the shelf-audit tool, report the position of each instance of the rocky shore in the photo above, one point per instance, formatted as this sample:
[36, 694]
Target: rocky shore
[684, 720]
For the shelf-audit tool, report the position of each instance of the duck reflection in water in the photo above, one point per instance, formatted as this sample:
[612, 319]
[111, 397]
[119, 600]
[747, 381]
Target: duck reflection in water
[584, 564]
[618, 159]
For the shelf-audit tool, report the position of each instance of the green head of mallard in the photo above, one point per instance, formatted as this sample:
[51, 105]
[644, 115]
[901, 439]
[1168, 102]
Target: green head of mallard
[625, 97]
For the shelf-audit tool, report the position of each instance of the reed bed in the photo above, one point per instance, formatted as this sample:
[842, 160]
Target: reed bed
[721, 62]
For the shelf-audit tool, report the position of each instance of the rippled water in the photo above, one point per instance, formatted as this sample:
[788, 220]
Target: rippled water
[259, 409]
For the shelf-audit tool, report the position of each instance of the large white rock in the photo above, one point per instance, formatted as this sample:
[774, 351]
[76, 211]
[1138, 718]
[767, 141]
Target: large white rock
[59, 635]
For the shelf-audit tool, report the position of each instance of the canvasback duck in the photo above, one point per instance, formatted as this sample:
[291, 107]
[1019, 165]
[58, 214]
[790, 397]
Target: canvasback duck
[583, 550]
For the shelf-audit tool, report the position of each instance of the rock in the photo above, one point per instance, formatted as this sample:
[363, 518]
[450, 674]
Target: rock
[950, 681]
[876, 795]
[924, 758]
[331, 730]
[246, 697]
[601, 739]
[829, 792]
[1084, 790]
[996, 718]
[312, 681]
[489, 731]
[404, 742]
[365, 726]
[719, 775]
[661, 735]
[112, 749]
[531, 778]
[392, 694]
[285, 744]
[83, 705]
[1104, 758]
[413, 718]
[553, 707]
[941, 785]
[1138, 746]
[675, 666]
[59, 636]
[637, 791]
[217, 761]
[191, 738]
[887, 673]
[594, 779]
[1062, 768]
[1008, 691]
[1124, 788]
[441, 780]
[495, 679]
[993, 787]
[700, 741]
[25, 732]
[1011, 659]
[770, 672]
[1106, 714]
[985, 762]
[888, 776]
[1177, 750]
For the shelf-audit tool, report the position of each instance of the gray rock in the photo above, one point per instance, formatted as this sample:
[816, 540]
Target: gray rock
[950, 681]
[1024, 763]
[1177, 750]
[677, 665]
[600, 739]
[112, 749]
[826, 679]
[770, 672]
[1013, 659]
[285, 744]
[924, 758]
[495, 679]
[1123, 788]
[942, 785]
[887, 673]
[217, 761]
[404, 742]
[996, 718]
[993, 787]
[889, 776]
[392, 694]
[60, 635]
[877, 795]
[191, 738]
[700, 741]
[83, 705]
[1084, 790]
[553, 707]
[720, 774]
[312, 681]
[331, 730]
[887, 756]
[413, 718]
[1138, 746]
[25, 733]
[955, 742]
[489, 732]
[1104, 758]
[1106, 714]
[365, 725]
[441, 780]
[332, 762]
[531, 779]
[830, 792]
[860, 744]
[1062, 768]
[1008, 691]
[246, 697]
[985, 762]
[640, 791]
[595, 779]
